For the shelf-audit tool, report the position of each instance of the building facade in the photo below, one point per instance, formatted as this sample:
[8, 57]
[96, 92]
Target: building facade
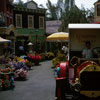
[6, 8]
[97, 11]
[29, 21]
[7, 30]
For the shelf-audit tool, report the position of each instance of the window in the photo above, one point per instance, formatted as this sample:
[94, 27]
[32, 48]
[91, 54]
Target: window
[30, 21]
[41, 22]
[18, 21]
[98, 10]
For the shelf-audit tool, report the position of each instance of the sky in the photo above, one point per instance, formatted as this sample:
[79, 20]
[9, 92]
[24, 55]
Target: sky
[86, 3]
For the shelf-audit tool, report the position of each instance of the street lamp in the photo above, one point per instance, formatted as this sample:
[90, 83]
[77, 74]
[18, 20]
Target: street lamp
[36, 31]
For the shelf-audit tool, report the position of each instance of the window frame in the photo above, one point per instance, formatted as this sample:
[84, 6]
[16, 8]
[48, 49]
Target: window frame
[98, 14]
[32, 16]
[20, 15]
[39, 22]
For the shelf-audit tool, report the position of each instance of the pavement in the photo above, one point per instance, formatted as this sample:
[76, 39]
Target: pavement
[40, 85]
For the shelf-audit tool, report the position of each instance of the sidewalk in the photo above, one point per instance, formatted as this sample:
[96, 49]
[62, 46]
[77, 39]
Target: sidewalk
[39, 86]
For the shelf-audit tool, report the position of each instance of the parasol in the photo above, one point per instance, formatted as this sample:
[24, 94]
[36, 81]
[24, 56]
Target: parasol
[30, 43]
[60, 36]
[2, 40]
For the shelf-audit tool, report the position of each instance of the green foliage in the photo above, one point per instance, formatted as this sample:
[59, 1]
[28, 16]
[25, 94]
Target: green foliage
[68, 12]
[73, 15]
[57, 60]
[20, 3]
[56, 11]
[51, 10]
[50, 55]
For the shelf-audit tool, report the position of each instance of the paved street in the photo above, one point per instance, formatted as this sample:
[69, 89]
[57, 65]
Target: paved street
[39, 86]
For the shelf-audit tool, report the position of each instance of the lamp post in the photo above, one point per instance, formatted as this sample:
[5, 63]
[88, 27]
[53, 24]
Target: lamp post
[36, 31]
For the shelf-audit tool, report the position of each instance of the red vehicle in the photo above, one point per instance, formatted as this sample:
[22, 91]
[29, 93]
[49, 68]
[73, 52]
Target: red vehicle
[79, 77]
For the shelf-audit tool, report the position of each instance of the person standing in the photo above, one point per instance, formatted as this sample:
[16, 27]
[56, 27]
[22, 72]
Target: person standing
[88, 52]
[21, 50]
[8, 50]
[65, 49]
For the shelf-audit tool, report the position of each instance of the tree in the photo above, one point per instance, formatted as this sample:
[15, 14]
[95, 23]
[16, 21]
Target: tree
[20, 3]
[60, 8]
[52, 9]
[90, 12]
[68, 12]
[56, 11]
[72, 14]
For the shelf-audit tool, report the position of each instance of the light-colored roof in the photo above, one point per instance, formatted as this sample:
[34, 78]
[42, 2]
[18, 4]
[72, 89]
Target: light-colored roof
[84, 26]
[53, 26]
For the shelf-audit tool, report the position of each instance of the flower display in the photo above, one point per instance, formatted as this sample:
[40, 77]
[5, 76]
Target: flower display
[21, 70]
[5, 71]
[6, 81]
[35, 58]
[50, 55]
[20, 73]
[43, 56]
[57, 60]
[19, 65]
[24, 59]
[18, 59]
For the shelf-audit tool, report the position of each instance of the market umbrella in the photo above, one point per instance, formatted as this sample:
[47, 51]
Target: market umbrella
[60, 36]
[30, 44]
[2, 40]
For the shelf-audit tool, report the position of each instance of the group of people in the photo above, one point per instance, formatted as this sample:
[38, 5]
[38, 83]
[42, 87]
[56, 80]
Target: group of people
[8, 50]
[87, 53]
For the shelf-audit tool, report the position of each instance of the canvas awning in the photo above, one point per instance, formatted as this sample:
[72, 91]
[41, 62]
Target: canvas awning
[60, 36]
[2, 40]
